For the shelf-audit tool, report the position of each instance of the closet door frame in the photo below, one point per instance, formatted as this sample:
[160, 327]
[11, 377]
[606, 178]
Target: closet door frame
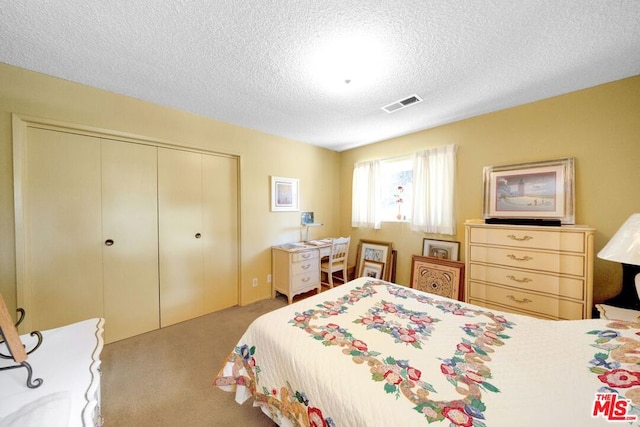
[20, 124]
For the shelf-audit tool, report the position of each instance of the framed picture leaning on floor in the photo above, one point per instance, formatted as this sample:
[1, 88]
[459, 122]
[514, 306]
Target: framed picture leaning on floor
[438, 276]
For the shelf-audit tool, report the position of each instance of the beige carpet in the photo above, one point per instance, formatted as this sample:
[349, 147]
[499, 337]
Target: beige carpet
[164, 377]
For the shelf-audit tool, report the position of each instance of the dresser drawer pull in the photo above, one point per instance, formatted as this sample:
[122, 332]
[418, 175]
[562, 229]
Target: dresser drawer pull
[305, 267]
[306, 255]
[515, 258]
[519, 239]
[306, 279]
[523, 280]
[519, 301]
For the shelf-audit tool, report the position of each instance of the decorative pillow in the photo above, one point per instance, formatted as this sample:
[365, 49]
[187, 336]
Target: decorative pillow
[51, 410]
[616, 313]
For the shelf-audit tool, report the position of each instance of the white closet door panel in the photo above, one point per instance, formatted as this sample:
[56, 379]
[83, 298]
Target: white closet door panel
[180, 222]
[63, 242]
[220, 224]
[130, 222]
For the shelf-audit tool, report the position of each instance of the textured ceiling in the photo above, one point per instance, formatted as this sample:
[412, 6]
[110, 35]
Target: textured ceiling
[280, 66]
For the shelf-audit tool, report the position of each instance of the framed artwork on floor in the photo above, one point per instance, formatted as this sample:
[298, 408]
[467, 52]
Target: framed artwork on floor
[392, 266]
[438, 276]
[372, 269]
[442, 249]
[371, 250]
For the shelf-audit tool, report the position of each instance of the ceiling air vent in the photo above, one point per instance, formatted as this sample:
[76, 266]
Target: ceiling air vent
[403, 103]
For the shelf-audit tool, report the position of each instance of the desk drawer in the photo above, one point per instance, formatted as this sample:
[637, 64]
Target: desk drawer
[308, 266]
[304, 281]
[551, 262]
[528, 280]
[519, 300]
[527, 238]
[304, 255]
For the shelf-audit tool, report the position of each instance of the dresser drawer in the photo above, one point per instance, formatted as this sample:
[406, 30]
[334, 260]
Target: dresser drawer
[527, 280]
[526, 301]
[491, 306]
[551, 262]
[304, 281]
[306, 266]
[528, 238]
[304, 255]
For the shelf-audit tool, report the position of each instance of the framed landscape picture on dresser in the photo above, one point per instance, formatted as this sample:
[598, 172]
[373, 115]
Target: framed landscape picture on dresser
[537, 190]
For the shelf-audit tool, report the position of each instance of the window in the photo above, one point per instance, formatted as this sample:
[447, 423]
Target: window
[397, 188]
[417, 188]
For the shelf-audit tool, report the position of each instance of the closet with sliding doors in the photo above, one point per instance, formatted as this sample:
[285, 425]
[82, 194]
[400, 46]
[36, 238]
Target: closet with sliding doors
[134, 230]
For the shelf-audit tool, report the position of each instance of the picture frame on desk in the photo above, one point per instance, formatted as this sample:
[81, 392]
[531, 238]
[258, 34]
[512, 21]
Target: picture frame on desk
[438, 276]
[536, 190]
[284, 194]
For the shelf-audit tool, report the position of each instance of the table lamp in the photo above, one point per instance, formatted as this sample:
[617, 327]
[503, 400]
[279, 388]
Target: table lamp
[624, 247]
[306, 220]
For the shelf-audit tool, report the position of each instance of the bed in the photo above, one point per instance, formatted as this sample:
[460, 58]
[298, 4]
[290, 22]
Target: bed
[373, 353]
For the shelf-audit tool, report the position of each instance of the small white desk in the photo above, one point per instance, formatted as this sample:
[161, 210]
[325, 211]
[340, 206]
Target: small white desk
[296, 267]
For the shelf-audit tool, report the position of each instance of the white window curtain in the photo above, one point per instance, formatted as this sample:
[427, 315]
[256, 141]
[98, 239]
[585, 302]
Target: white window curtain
[365, 196]
[434, 172]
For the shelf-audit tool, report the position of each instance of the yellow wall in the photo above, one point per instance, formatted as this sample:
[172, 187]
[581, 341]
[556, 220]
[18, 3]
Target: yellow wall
[599, 126]
[261, 155]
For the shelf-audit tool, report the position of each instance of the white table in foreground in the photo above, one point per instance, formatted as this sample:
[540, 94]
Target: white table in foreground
[68, 362]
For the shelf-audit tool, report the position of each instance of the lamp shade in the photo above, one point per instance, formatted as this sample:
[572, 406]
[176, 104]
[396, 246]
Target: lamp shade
[624, 246]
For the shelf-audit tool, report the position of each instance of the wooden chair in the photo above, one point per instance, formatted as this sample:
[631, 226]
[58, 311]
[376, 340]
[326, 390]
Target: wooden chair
[337, 261]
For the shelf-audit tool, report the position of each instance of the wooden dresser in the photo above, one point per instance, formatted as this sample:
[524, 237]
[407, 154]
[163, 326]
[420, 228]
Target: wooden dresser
[544, 272]
[295, 268]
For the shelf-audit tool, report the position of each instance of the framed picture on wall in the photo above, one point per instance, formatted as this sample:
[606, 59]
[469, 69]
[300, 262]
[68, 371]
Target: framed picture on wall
[539, 190]
[438, 276]
[284, 194]
[370, 250]
[442, 249]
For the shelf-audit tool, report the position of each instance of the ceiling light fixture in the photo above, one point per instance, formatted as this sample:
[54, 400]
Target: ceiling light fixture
[360, 56]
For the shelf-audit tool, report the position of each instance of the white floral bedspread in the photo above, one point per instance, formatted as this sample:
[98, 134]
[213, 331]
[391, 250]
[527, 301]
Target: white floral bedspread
[371, 353]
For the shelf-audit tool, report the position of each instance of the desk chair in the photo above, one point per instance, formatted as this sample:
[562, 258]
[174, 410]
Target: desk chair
[337, 261]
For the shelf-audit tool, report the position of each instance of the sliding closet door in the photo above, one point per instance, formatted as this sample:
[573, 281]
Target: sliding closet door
[180, 235]
[220, 222]
[130, 239]
[198, 234]
[62, 214]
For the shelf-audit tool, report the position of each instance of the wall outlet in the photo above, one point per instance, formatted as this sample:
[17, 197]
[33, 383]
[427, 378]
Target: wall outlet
[254, 282]
[268, 278]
